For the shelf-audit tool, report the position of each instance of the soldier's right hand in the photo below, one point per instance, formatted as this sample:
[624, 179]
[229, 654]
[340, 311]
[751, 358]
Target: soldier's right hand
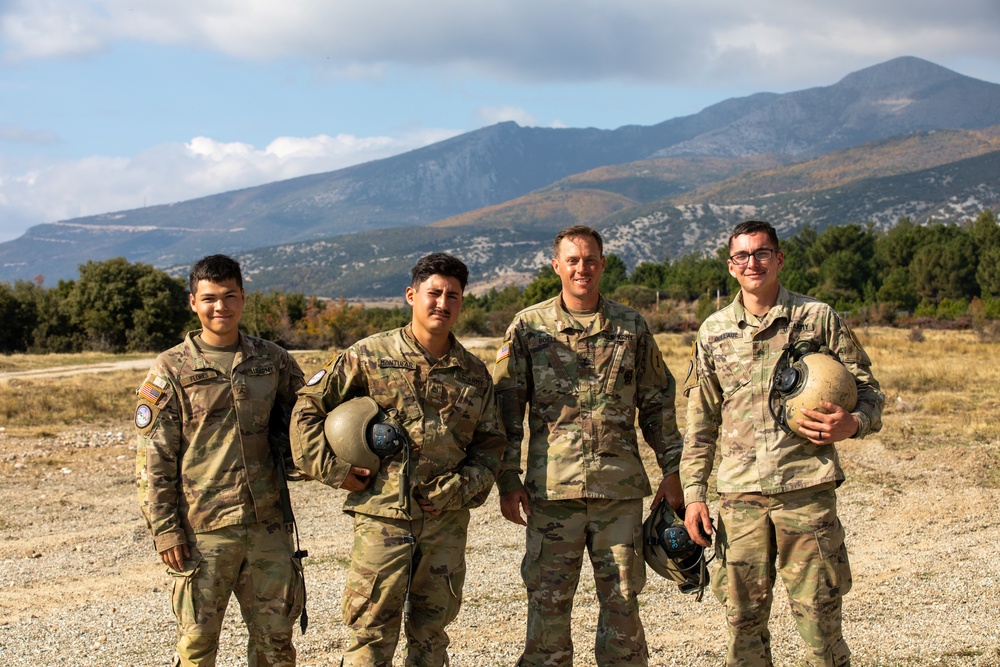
[357, 479]
[174, 557]
[511, 504]
[698, 522]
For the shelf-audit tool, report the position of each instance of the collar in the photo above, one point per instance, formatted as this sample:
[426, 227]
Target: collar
[245, 350]
[566, 322]
[782, 309]
[455, 356]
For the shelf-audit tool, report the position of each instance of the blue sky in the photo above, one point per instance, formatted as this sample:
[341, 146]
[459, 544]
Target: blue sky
[108, 105]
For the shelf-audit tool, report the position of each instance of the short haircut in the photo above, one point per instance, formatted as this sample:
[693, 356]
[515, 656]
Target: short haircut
[215, 269]
[577, 230]
[440, 264]
[752, 227]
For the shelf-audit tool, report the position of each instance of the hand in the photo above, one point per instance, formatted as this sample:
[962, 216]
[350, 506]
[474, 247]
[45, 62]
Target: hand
[698, 523]
[825, 429]
[511, 504]
[669, 490]
[426, 505]
[174, 557]
[357, 479]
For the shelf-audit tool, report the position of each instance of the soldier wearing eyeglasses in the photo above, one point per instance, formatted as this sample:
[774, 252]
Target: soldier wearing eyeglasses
[777, 490]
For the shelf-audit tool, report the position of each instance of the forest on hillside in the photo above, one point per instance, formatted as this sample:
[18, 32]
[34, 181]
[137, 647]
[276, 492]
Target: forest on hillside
[935, 274]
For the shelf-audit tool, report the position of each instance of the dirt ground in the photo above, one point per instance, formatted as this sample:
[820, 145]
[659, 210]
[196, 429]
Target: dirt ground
[80, 584]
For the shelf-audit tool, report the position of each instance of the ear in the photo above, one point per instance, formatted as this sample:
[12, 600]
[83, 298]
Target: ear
[732, 268]
[555, 264]
[781, 260]
[192, 302]
[411, 295]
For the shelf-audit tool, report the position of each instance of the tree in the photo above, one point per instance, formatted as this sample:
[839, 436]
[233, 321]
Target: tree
[614, 273]
[546, 285]
[120, 306]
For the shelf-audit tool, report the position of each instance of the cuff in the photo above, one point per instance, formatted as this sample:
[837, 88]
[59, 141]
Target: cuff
[695, 494]
[168, 541]
[508, 481]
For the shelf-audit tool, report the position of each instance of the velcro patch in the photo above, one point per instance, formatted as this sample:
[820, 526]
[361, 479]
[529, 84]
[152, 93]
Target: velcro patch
[397, 363]
[150, 392]
[260, 370]
[316, 378]
[143, 416]
[503, 352]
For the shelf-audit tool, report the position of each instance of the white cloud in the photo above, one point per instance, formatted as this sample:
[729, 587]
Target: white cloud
[690, 41]
[33, 192]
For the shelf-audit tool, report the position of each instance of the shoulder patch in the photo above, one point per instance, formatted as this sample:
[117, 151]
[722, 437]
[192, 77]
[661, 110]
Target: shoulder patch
[143, 416]
[150, 392]
[317, 377]
[397, 363]
[503, 352]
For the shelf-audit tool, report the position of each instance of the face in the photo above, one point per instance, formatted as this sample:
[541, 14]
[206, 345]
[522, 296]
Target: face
[436, 304]
[219, 307]
[756, 277]
[579, 265]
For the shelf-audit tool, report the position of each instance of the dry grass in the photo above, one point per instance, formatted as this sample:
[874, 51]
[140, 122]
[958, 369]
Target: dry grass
[942, 389]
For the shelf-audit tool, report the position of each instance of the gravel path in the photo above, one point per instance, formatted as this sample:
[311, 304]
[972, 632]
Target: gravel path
[80, 584]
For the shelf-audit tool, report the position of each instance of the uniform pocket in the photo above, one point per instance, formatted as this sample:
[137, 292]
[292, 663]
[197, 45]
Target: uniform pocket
[296, 597]
[456, 580]
[358, 597]
[531, 564]
[833, 551]
[183, 596]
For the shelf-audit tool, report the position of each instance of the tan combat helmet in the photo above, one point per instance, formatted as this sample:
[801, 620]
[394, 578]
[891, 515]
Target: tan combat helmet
[361, 433]
[804, 381]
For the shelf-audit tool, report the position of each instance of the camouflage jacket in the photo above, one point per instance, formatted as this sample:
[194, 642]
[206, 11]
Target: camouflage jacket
[728, 383]
[446, 406]
[203, 460]
[582, 387]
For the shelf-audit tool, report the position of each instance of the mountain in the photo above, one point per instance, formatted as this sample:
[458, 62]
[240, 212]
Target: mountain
[497, 165]
[500, 247]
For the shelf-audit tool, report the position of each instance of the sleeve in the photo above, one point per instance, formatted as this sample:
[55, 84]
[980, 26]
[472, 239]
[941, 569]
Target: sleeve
[341, 379]
[704, 416]
[511, 380]
[158, 423]
[871, 400]
[290, 380]
[469, 486]
[656, 391]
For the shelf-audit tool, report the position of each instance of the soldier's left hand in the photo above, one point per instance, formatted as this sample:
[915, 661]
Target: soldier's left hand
[669, 490]
[823, 429]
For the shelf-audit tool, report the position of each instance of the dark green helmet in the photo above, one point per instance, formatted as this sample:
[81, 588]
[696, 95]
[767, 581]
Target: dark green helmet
[361, 433]
[670, 551]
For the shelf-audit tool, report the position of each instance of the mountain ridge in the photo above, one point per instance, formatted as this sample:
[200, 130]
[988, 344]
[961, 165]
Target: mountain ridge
[504, 162]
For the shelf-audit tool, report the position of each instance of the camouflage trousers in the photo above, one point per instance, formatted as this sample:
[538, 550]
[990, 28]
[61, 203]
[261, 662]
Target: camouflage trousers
[376, 588]
[255, 562]
[797, 535]
[558, 532]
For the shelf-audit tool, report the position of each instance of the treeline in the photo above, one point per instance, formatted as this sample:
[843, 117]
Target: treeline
[940, 271]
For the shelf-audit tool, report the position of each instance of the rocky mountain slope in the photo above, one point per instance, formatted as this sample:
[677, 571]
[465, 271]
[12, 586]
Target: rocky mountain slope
[490, 170]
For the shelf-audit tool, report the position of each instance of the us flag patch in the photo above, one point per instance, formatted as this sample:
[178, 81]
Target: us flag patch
[503, 353]
[150, 392]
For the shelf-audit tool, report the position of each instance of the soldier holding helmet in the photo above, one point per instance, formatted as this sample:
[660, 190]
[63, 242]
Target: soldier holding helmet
[778, 503]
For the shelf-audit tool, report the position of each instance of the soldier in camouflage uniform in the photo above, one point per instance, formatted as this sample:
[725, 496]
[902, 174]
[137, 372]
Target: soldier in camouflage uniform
[208, 485]
[778, 504]
[583, 365]
[415, 542]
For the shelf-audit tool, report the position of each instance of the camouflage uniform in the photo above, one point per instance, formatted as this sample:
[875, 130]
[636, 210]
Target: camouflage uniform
[584, 477]
[447, 407]
[206, 478]
[777, 490]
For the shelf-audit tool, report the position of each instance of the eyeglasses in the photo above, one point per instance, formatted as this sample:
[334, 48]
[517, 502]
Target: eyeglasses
[760, 254]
